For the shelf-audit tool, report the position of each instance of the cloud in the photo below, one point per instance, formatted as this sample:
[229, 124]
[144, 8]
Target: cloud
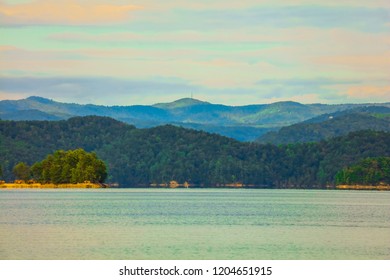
[101, 90]
[313, 82]
[371, 16]
[113, 91]
[378, 62]
[203, 5]
[369, 93]
[361, 18]
[99, 85]
[325, 90]
[241, 51]
[180, 36]
[307, 98]
[69, 12]
[209, 69]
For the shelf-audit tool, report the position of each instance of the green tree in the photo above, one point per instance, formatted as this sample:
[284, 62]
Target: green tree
[73, 166]
[36, 171]
[22, 171]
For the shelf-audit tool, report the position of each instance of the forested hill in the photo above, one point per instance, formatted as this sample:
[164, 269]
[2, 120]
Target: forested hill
[331, 125]
[139, 157]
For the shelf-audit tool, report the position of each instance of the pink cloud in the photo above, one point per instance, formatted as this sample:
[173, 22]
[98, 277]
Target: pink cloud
[358, 61]
[65, 12]
[234, 4]
[370, 92]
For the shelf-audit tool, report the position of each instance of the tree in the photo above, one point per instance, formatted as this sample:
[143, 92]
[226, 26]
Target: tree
[73, 166]
[36, 171]
[22, 171]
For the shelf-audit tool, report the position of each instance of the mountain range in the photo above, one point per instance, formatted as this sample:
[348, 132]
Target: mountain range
[327, 126]
[244, 123]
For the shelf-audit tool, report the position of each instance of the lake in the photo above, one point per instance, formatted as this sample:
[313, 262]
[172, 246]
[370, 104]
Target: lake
[194, 224]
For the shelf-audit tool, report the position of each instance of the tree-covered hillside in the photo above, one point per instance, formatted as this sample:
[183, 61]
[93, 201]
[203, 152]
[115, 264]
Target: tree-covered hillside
[331, 125]
[32, 141]
[140, 157]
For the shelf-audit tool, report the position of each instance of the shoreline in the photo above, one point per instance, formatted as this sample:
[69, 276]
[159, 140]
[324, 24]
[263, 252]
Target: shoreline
[152, 186]
[363, 187]
[52, 186]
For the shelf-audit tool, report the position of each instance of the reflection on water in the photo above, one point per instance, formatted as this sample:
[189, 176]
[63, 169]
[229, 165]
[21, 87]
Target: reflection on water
[194, 224]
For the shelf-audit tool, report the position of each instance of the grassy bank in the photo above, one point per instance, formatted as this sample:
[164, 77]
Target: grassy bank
[51, 186]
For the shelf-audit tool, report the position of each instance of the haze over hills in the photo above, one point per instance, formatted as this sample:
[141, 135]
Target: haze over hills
[331, 125]
[243, 123]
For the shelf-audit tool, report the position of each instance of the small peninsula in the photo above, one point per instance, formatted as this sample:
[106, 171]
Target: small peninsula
[62, 169]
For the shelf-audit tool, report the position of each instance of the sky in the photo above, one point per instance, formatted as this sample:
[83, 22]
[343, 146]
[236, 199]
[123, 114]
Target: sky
[221, 51]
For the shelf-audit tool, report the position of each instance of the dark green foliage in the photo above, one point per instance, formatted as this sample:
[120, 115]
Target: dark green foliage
[74, 166]
[31, 141]
[370, 171]
[21, 171]
[139, 157]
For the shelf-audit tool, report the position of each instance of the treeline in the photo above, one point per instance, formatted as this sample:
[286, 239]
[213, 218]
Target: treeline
[139, 157]
[370, 171]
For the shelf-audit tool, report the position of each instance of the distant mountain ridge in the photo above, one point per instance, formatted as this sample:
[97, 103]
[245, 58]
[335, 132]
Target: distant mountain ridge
[331, 125]
[184, 102]
[245, 123]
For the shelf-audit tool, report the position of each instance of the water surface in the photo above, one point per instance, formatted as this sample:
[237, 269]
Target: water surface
[194, 224]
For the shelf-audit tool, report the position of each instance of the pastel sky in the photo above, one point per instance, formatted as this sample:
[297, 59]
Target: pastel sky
[222, 51]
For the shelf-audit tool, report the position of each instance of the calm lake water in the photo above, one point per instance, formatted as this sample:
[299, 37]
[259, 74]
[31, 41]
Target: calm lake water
[194, 224]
